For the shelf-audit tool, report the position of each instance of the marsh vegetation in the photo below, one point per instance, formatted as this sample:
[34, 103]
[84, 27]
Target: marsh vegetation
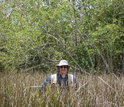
[96, 91]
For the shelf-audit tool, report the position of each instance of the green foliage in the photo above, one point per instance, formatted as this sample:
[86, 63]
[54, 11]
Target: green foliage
[37, 34]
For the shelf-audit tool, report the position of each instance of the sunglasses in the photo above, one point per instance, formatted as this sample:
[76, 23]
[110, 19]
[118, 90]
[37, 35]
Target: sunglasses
[63, 66]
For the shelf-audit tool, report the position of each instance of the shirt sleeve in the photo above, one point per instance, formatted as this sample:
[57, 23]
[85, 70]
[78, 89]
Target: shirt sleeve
[43, 85]
[76, 81]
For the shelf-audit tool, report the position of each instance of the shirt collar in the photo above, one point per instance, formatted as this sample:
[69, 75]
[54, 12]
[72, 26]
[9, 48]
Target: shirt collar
[59, 75]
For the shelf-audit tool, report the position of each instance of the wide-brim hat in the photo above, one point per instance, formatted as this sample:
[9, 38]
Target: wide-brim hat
[63, 63]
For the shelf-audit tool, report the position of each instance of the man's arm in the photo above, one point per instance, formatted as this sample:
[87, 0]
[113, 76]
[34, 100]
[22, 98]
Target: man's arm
[43, 85]
[76, 82]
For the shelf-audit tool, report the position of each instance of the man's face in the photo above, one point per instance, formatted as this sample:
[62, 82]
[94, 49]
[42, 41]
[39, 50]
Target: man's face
[63, 70]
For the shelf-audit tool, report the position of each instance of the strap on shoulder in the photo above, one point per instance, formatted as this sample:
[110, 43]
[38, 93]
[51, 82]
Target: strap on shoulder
[54, 78]
[71, 79]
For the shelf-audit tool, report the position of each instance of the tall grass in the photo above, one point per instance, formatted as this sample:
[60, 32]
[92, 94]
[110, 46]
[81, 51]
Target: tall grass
[95, 91]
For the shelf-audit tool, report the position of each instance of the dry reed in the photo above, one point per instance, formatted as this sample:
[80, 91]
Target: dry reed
[19, 90]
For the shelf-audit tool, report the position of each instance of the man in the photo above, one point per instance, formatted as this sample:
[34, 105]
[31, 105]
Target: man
[62, 78]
